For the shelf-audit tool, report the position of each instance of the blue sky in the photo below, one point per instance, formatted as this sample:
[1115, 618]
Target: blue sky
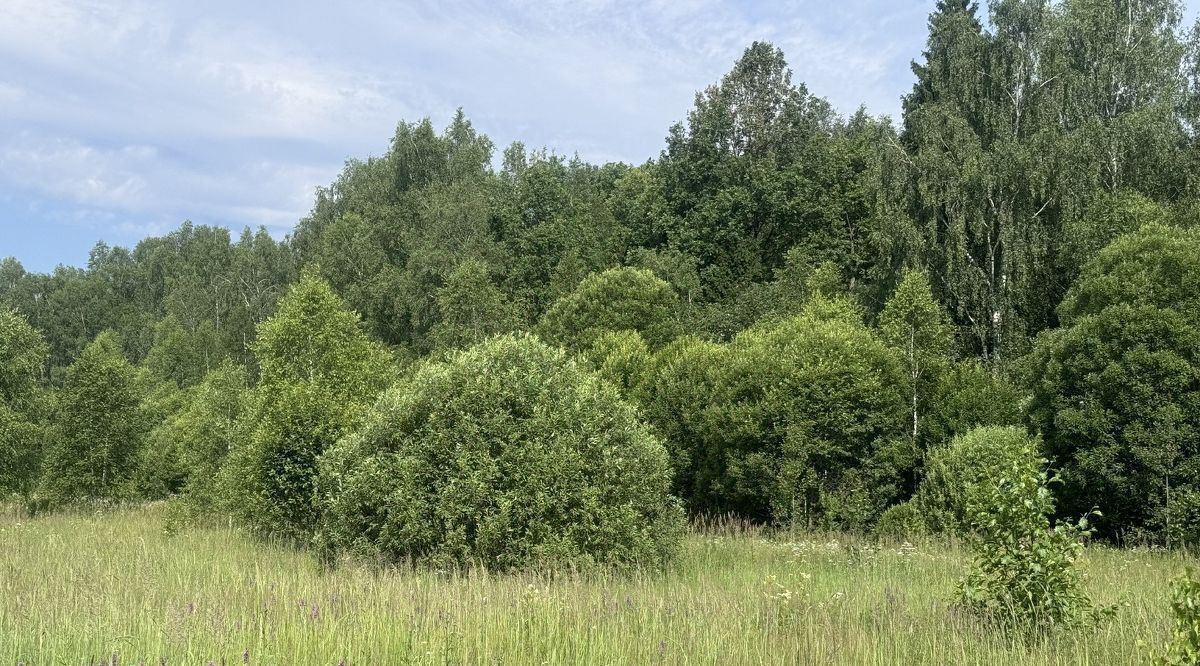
[121, 119]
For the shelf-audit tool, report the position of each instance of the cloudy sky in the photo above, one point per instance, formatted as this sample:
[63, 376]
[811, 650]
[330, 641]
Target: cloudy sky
[121, 119]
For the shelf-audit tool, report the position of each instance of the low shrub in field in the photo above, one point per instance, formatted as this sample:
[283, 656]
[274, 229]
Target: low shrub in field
[956, 470]
[900, 521]
[1024, 575]
[1184, 648]
[509, 455]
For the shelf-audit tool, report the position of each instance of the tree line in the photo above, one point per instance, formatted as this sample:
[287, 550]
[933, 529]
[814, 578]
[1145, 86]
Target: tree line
[807, 310]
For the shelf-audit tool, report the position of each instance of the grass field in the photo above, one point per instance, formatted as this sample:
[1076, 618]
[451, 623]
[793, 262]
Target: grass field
[80, 589]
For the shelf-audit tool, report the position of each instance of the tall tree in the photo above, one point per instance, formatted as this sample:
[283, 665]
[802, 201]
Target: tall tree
[318, 374]
[753, 174]
[99, 427]
[916, 325]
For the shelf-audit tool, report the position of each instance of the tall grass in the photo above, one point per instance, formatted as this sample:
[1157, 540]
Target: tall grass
[79, 589]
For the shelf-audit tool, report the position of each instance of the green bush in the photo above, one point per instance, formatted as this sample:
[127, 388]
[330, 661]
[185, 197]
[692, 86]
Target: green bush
[622, 358]
[1116, 390]
[1175, 523]
[470, 308]
[619, 299]
[509, 455]
[22, 355]
[1024, 575]
[900, 522]
[968, 395]
[20, 452]
[954, 471]
[159, 471]
[185, 451]
[813, 416]
[680, 398]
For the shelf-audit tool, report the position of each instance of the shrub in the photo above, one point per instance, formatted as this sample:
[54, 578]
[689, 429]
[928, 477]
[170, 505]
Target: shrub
[618, 299]
[159, 471]
[622, 358]
[470, 308]
[20, 452]
[812, 409]
[23, 352]
[193, 442]
[681, 400]
[1118, 400]
[1024, 575]
[509, 455]
[1178, 519]
[1116, 390]
[900, 522]
[1184, 648]
[954, 472]
[968, 396]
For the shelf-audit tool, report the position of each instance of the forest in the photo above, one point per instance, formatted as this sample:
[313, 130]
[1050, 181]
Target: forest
[976, 323]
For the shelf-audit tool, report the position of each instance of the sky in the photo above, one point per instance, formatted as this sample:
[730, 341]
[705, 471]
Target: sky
[120, 120]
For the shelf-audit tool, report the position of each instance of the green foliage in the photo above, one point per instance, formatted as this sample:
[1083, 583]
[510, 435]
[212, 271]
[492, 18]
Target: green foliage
[158, 470]
[509, 455]
[1108, 216]
[622, 358]
[183, 356]
[901, 522]
[680, 399]
[185, 451]
[619, 299]
[1176, 520]
[471, 308]
[22, 356]
[20, 451]
[99, 429]
[1024, 575]
[318, 374]
[1035, 134]
[811, 407]
[954, 473]
[1116, 391]
[968, 395]
[913, 323]
[1184, 646]
[755, 172]
[1155, 265]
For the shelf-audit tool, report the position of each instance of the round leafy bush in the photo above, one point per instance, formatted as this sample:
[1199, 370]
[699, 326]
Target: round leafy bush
[619, 299]
[900, 522]
[509, 455]
[954, 471]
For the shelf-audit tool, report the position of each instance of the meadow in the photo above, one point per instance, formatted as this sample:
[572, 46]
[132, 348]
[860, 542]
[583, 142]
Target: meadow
[118, 587]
